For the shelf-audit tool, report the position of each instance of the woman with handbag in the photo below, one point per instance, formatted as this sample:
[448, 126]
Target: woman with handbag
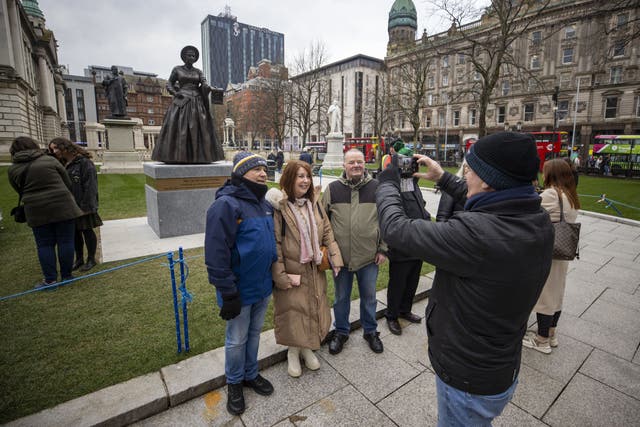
[45, 188]
[559, 198]
[84, 186]
[302, 316]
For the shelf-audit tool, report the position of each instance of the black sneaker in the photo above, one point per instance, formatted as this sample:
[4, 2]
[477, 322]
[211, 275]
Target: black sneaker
[373, 338]
[89, 265]
[336, 343]
[260, 385]
[235, 399]
[76, 265]
[394, 326]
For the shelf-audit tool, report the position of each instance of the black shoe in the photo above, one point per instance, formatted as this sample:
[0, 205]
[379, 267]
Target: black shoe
[373, 339]
[394, 326]
[336, 343]
[89, 265]
[413, 318]
[235, 399]
[76, 265]
[260, 385]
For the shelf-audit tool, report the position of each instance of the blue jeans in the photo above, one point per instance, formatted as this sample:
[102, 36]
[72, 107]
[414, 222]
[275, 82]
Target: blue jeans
[241, 342]
[60, 234]
[367, 277]
[457, 408]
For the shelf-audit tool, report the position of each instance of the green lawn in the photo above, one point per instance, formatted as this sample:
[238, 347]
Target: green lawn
[101, 330]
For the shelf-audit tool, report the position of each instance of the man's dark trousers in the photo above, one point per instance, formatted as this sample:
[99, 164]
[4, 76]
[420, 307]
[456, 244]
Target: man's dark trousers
[403, 282]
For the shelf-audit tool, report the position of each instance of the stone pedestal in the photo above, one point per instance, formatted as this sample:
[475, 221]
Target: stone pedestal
[121, 156]
[178, 196]
[334, 159]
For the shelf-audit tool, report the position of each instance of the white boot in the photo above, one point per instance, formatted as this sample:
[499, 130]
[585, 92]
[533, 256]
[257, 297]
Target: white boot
[310, 359]
[293, 357]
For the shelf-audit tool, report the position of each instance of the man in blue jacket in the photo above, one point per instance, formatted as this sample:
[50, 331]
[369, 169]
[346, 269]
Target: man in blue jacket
[492, 261]
[239, 250]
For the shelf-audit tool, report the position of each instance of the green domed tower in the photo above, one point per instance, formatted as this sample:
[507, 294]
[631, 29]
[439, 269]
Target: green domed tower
[403, 23]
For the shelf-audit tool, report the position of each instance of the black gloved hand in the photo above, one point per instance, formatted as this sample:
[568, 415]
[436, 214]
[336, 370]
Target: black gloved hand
[390, 174]
[231, 306]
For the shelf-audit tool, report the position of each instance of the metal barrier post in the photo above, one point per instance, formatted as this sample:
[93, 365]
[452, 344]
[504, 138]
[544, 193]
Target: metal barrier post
[175, 300]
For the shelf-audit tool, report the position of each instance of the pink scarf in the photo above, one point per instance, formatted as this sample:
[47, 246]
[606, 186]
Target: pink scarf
[305, 220]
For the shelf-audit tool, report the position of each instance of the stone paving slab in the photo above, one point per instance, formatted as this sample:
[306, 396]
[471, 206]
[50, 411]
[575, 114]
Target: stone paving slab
[536, 391]
[599, 336]
[633, 265]
[419, 394]
[603, 252]
[597, 238]
[120, 404]
[586, 402]
[411, 346]
[564, 360]
[603, 279]
[345, 407]
[514, 416]
[617, 373]
[622, 319]
[379, 376]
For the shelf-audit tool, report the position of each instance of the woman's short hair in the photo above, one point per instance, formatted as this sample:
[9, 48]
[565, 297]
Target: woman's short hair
[288, 179]
[23, 143]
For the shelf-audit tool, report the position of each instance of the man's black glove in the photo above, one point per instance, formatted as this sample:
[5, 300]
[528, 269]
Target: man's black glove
[390, 174]
[231, 306]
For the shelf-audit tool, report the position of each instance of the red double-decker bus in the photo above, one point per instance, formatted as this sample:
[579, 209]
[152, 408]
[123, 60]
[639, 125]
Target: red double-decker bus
[372, 147]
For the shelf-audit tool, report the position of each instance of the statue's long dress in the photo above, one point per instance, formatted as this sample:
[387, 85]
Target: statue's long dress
[187, 133]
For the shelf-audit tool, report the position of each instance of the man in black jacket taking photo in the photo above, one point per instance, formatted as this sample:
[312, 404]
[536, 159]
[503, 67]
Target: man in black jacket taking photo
[492, 260]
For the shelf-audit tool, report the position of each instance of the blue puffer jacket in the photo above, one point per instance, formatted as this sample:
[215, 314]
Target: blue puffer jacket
[239, 244]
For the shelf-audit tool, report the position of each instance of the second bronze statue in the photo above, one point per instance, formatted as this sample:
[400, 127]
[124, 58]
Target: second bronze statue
[187, 135]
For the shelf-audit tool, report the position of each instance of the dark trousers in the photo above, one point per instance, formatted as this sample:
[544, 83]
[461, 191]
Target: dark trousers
[403, 282]
[545, 322]
[48, 237]
[89, 237]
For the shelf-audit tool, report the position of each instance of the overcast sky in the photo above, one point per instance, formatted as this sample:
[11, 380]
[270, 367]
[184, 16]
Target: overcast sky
[148, 34]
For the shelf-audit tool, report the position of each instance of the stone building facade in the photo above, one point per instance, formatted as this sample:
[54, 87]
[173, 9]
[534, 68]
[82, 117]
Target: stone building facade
[579, 60]
[31, 85]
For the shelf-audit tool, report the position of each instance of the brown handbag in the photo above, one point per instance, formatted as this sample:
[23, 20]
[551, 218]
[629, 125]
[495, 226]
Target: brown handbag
[325, 264]
[567, 236]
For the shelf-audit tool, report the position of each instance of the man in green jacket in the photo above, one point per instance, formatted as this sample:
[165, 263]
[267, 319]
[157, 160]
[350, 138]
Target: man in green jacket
[350, 204]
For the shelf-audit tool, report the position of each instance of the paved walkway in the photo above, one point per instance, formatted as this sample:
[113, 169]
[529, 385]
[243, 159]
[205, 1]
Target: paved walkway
[591, 379]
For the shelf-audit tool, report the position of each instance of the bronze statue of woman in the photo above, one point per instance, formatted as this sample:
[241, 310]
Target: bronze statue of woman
[187, 136]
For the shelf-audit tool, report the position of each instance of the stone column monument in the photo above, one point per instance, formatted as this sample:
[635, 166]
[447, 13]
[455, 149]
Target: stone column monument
[335, 139]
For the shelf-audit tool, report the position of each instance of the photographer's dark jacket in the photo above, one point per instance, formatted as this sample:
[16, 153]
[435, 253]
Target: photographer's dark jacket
[492, 262]
[84, 183]
[453, 195]
[47, 197]
[414, 204]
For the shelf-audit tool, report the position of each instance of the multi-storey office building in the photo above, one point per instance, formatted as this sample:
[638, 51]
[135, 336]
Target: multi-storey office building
[231, 48]
[80, 105]
[587, 49]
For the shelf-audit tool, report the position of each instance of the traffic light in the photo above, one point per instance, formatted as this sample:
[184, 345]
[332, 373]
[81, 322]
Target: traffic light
[554, 97]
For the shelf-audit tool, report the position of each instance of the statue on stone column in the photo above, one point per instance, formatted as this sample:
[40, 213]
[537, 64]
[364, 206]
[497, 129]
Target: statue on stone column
[187, 135]
[116, 90]
[334, 117]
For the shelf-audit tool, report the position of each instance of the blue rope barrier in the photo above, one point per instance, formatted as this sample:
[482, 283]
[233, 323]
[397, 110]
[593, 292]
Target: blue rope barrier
[186, 297]
[75, 279]
[175, 300]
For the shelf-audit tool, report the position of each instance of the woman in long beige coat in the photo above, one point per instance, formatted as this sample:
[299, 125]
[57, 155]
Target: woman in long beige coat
[558, 182]
[302, 316]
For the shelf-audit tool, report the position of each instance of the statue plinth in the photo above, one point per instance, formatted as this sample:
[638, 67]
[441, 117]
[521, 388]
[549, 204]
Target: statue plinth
[178, 196]
[334, 159]
[120, 156]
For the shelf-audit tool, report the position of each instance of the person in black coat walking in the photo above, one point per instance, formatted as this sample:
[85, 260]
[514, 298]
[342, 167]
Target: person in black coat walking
[84, 181]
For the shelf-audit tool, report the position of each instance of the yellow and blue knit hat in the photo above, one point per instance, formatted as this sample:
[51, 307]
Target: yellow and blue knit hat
[244, 161]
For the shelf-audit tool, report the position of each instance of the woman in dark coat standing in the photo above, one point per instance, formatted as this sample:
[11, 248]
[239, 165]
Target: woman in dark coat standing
[49, 206]
[84, 181]
[187, 133]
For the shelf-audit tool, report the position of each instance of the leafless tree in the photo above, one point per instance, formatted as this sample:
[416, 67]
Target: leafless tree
[270, 100]
[377, 111]
[490, 46]
[308, 94]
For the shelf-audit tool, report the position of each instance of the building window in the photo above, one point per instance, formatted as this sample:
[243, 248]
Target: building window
[445, 61]
[456, 118]
[150, 111]
[461, 58]
[472, 116]
[563, 110]
[618, 48]
[567, 55]
[441, 118]
[611, 107]
[427, 119]
[152, 122]
[430, 99]
[502, 112]
[565, 80]
[616, 75]
[534, 62]
[68, 104]
[529, 112]
[506, 87]
[622, 19]
[445, 80]
[536, 37]
[129, 109]
[149, 98]
[431, 82]
[80, 105]
[532, 84]
[638, 106]
[570, 32]
[476, 76]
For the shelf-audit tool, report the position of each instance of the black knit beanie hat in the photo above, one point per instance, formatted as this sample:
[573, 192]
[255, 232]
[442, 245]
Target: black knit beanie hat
[505, 159]
[244, 161]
